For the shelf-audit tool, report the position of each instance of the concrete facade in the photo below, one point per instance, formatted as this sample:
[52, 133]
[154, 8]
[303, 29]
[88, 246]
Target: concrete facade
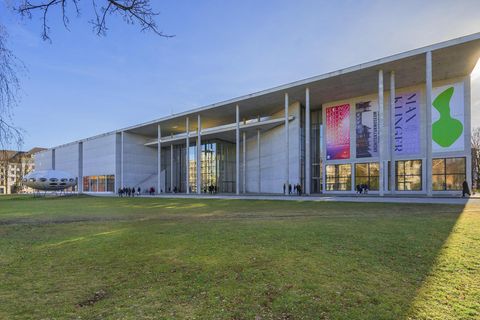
[256, 126]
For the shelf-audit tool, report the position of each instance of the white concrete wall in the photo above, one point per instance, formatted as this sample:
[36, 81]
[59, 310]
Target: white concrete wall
[139, 161]
[99, 156]
[43, 160]
[66, 159]
[272, 156]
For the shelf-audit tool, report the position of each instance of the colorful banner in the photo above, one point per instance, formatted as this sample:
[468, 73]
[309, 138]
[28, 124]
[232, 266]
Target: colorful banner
[407, 124]
[366, 127]
[448, 118]
[338, 132]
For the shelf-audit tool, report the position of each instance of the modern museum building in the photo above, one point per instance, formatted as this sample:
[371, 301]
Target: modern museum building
[397, 125]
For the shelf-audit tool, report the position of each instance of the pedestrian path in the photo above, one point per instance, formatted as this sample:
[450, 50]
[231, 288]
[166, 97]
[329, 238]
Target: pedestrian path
[319, 198]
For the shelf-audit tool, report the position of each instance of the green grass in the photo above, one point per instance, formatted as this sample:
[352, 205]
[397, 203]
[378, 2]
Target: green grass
[236, 259]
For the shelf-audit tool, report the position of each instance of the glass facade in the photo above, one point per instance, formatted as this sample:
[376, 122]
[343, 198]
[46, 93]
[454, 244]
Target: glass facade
[104, 183]
[178, 169]
[217, 167]
[368, 174]
[448, 174]
[339, 177]
[316, 151]
[408, 174]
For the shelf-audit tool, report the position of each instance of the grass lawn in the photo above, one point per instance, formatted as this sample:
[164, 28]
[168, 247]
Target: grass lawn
[111, 258]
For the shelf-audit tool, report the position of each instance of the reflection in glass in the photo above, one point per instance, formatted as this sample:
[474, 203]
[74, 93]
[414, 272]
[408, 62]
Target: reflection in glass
[408, 175]
[367, 174]
[448, 174]
[339, 177]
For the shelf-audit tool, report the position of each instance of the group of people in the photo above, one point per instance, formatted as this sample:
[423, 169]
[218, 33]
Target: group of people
[297, 189]
[128, 192]
[211, 189]
[131, 192]
[362, 188]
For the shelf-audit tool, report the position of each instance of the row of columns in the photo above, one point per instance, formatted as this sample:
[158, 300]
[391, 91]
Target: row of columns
[382, 142]
[237, 160]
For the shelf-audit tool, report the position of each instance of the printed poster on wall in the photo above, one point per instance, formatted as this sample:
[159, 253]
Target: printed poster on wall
[407, 124]
[448, 118]
[366, 127]
[338, 132]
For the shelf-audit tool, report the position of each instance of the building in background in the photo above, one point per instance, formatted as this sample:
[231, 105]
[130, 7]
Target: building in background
[13, 166]
[397, 126]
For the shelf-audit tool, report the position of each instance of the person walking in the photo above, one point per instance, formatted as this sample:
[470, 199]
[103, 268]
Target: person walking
[465, 189]
[284, 188]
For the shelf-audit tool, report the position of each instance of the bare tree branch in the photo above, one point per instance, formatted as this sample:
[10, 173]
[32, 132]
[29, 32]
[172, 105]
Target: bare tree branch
[132, 11]
[10, 67]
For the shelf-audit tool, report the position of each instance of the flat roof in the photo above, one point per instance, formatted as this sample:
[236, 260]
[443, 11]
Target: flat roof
[450, 59]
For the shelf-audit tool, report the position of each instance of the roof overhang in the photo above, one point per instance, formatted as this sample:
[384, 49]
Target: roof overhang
[450, 59]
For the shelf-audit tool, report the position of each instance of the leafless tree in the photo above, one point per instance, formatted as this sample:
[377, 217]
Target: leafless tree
[131, 11]
[10, 68]
[475, 145]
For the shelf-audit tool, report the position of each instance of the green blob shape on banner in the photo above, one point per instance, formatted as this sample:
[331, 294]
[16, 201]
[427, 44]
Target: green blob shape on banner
[446, 130]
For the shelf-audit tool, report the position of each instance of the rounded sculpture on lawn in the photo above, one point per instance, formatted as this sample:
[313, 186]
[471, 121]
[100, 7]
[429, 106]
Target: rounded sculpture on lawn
[49, 180]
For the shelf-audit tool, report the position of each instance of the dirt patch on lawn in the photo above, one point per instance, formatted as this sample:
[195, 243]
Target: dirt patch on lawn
[97, 296]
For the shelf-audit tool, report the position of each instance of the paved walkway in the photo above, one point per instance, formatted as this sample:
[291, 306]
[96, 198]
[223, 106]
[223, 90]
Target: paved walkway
[320, 198]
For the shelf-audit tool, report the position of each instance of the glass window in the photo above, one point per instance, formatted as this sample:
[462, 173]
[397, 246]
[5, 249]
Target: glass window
[339, 177]
[93, 183]
[111, 183]
[316, 150]
[368, 174]
[86, 185]
[408, 175]
[101, 183]
[448, 174]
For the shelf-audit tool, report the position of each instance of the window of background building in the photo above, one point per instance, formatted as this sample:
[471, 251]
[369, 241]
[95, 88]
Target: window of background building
[408, 175]
[339, 177]
[368, 173]
[448, 173]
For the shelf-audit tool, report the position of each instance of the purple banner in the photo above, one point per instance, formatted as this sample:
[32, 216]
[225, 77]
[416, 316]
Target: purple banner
[407, 124]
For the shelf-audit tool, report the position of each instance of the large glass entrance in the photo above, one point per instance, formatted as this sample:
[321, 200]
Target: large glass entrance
[217, 167]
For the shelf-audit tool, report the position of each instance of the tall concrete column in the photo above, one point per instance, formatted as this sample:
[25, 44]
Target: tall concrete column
[381, 141]
[187, 157]
[428, 103]
[237, 150]
[199, 155]
[121, 160]
[80, 170]
[392, 132]
[53, 159]
[323, 156]
[287, 147]
[468, 134]
[244, 162]
[159, 160]
[259, 182]
[308, 164]
[171, 168]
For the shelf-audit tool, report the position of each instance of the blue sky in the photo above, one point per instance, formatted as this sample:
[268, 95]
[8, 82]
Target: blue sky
[81, 84]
